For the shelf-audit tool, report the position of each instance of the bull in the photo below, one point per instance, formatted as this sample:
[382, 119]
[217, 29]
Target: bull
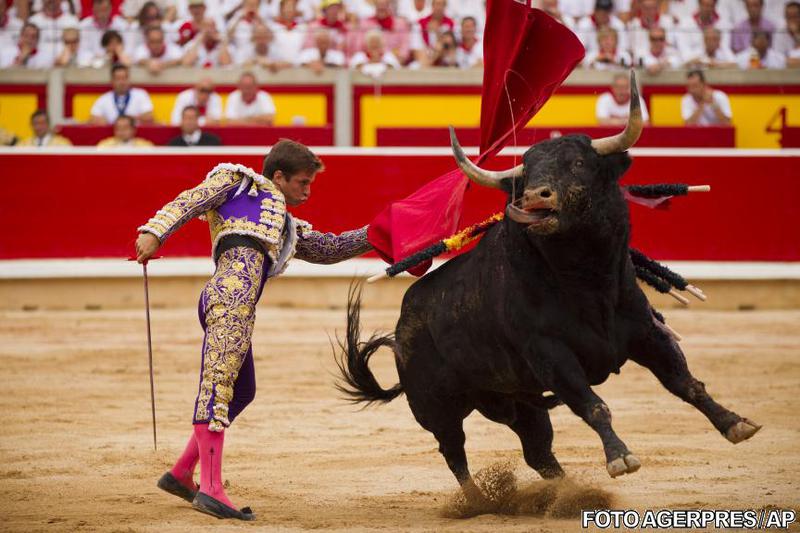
[543, 308]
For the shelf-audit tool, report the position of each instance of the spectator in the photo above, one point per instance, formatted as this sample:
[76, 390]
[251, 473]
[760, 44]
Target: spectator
[191, 134]
[760, 54]
[70, 54]
[577, 9]
[209, 49]
[186, 30]
[601, 18]
[396, 30]
[124, 135]
[650, 17]
[331, 20]
[425, 34]
[42, 134]
[613, 107]
[413, 10]
[27, 52]
[713, 54]
[94, 27]
[262, 52]
[742, 32]
[690, 36]
[157, 54]
[322, 54]
[731, 12]
[445, 51]
[240, 28]
[793, 57]
[10, 27]
[150, 15]
[660, 56]
[551, 7]
[113, 51]
[783, 41]
[608, 56]
[52, 21]
[289, 32]
[470, 51]
[376, 60]
[122, 100]
[249, 105]
[202, 97]
[702, 105]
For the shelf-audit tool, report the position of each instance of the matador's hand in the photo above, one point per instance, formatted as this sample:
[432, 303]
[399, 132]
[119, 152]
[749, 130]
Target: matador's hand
[146, 245]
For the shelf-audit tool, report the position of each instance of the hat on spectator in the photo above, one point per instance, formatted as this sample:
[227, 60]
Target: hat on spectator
[604, 5]
[328, 3]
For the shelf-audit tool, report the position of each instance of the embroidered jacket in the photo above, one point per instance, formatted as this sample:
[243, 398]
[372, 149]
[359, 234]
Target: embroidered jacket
[260, 213]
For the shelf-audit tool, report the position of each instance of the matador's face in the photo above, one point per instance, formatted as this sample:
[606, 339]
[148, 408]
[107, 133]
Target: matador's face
[295, 188]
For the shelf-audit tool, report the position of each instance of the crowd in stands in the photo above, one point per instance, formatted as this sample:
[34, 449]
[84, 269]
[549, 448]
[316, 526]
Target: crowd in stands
[375, 35]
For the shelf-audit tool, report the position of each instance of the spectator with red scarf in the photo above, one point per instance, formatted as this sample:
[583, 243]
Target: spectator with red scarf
[690, 36]
[93, 27]
[650, 17]
[202, 97]
[27, 52]
[332, 19]
[52, 21]
[209, 49]
[396, 31]
[186, 30]
[470, 49]
[602, 17]
[426, 33]
[157, 53]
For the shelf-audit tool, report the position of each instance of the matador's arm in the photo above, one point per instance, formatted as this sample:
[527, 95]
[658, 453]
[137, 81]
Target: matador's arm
[207, 196]
[328, 248]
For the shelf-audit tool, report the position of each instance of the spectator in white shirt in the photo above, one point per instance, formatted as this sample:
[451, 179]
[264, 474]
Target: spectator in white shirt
[690, 32]
[793, 56]
[249, 105]
[122, 99]
[703, 105]
[209, 49]
[27, 52]
[760, 55]
[240, 28]
[376, 60]
[659, 56]
[602, 17]
[551, 7]
[51, 21]
[10, 27]
[262, 52]
[713, 54]
[95, 26]
[413, 10]
[185, 30]
[650, 17]
[576, 9]
[322, 54]
[202, 97]
[613, 107]
[289, 31]
[608, 56]
[157, 53]
[69, 53]
[470, 49]
[113, 51]
[783, 41]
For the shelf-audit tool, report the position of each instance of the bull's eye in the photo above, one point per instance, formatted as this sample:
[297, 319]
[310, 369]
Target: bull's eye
[577, 164]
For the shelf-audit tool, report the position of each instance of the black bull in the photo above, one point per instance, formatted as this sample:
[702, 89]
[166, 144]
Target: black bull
[546, 303]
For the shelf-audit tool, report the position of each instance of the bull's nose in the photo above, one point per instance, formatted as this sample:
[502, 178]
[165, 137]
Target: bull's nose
[540, 193]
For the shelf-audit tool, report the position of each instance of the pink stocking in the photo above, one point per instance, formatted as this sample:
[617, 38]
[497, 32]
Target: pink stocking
[210, 446]
[183, 470]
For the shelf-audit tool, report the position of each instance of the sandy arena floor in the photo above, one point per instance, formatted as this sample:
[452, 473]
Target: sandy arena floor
[77, 446]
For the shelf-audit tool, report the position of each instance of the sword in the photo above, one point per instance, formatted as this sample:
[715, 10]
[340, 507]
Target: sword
[149, 347]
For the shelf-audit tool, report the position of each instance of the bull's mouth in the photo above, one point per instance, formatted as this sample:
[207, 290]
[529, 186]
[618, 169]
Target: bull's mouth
[533, 216]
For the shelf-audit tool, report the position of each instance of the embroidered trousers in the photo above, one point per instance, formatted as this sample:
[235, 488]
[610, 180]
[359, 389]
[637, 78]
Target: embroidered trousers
[227, 313]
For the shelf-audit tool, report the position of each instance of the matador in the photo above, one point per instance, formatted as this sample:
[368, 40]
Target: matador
[253, 239]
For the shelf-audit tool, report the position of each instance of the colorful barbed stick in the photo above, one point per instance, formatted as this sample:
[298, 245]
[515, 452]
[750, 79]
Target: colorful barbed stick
[455, 242]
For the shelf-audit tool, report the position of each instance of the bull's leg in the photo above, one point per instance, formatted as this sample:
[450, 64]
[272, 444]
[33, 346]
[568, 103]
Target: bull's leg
[663, 357]
[560, 371]
[445, 419]
[535, 431]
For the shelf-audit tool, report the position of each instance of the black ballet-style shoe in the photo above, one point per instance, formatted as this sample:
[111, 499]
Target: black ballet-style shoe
[206, 504]
[170, 483]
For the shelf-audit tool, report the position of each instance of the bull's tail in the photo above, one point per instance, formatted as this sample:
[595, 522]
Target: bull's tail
[358, 384]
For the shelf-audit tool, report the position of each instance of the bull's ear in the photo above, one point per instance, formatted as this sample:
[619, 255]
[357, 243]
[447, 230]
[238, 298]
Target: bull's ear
[615, 165]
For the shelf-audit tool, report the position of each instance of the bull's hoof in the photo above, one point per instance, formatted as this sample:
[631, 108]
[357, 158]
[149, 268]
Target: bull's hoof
[623, 465]
[742, 430]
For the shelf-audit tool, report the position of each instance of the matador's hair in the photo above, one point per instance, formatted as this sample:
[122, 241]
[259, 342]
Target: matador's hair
[290, 157]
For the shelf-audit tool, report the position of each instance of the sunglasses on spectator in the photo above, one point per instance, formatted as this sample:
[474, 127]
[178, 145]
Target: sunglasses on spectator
[657, 39]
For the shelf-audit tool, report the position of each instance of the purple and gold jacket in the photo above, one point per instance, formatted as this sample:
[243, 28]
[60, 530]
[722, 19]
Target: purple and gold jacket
[235, 200]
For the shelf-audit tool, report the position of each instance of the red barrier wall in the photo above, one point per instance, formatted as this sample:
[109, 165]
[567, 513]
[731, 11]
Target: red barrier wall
[89, 205]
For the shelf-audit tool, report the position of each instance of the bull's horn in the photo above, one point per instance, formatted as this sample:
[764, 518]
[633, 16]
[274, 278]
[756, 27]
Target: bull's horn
[487, 178]
[633, 129]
